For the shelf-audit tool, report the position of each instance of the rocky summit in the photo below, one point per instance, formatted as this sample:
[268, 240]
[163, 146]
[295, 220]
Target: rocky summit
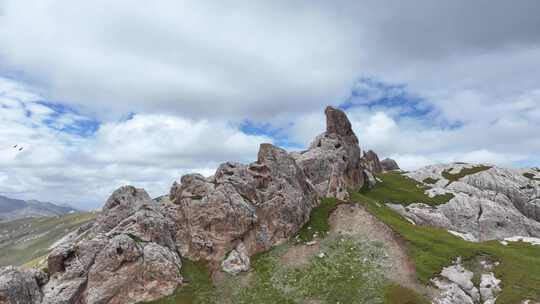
[331, 224]
[133, 252]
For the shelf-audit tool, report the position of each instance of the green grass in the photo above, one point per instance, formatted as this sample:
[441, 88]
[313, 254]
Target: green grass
[318, 220]
[350, 272]
[431, 249]
[531, 176]
[28, 240]
[430, 180]
[397, 294]
[199, 289]
[261, 288]
[400, 189]
[451, 177]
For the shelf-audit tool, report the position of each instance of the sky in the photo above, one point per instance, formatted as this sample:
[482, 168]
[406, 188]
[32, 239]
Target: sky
[105, 93]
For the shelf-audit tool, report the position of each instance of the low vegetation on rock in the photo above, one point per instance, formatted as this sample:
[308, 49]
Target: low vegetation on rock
[452, 177]
[398, 188]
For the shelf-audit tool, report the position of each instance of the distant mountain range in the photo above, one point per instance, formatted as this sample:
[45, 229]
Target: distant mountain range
[13, 209]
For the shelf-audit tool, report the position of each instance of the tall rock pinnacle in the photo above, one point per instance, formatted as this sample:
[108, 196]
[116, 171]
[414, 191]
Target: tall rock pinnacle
[337, 122]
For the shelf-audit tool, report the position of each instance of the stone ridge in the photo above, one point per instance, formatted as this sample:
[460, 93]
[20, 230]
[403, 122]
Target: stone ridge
[493, 204]
[132, 253]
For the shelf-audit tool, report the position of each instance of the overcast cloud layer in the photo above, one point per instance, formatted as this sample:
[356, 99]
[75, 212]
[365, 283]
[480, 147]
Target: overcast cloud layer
[104, 93]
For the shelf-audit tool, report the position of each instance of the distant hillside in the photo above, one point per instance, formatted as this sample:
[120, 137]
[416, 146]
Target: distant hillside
[13, 209]
[30, 239]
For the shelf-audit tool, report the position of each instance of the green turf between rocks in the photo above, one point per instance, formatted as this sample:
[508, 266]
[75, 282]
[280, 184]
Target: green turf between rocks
[451, 177]
[400, 189]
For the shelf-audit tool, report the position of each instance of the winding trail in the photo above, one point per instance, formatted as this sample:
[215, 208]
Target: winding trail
[353, 219]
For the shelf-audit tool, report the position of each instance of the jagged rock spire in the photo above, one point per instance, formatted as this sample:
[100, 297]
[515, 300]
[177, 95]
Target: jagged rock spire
[337, 122]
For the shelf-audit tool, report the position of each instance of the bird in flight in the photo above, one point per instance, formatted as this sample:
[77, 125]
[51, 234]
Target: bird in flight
[17, 147]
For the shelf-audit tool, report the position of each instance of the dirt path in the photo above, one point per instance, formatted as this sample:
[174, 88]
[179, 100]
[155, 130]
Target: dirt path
[353, 219]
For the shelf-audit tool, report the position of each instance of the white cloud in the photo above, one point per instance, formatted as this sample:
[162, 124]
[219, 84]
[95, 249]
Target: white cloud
[192, 71]
[148, 150]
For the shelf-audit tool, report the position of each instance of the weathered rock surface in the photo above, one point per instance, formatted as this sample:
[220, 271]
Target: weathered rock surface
[21, 286]
[259, 205]
[389, 164]
[493, 204]
[237, 260]
[333, 161]
[128, 256]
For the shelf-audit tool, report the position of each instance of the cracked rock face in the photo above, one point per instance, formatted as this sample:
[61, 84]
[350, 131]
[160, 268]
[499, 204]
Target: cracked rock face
[128, 256]
[493, 204]
[21, 286]
[260, 204]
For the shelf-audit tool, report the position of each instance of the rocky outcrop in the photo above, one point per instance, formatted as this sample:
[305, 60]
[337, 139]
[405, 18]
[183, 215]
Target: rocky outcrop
[389, 164]
[495, 203]
[132, 253]
[332, 163]
[21, 286]
[260, 205]
[128, 256]
[370, 161]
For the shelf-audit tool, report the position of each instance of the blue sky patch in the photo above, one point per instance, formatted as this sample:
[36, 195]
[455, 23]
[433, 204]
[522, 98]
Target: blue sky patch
[397, 101]
[279, 135]
[65, 119]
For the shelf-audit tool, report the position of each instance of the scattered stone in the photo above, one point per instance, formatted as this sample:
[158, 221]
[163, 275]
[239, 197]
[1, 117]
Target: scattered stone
[455, 283]
[237, 261]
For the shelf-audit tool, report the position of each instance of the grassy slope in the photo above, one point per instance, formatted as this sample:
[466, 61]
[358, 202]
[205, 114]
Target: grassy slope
[350, 273]
[397, 294]
[318, 220]
[431, 249]
[27, 240]
[397, 188]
